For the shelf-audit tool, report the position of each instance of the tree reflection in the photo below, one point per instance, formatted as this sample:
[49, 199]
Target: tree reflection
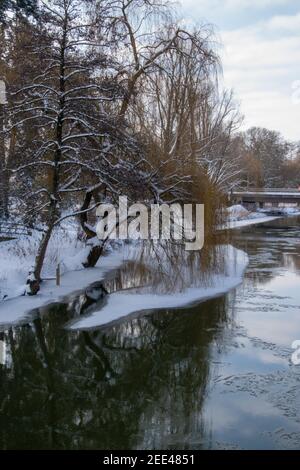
[139, 383]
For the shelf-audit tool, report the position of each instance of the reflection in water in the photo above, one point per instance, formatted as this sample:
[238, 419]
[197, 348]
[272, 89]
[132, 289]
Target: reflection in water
[139, 383]
[213, 375]
[164, 268]
[160, 269]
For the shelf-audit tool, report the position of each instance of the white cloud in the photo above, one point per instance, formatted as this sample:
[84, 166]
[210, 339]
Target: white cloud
[285, 23]
[244, 50]
[261, 61]
[234, 4]
[274, 110]
[261, 65]
[253, 3]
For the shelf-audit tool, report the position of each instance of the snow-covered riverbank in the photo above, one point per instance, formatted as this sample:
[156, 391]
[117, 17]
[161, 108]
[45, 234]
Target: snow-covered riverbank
[239, 217]
[65, 248]
[232, 224]
[121, 304]
[14, 310]
[17, 258]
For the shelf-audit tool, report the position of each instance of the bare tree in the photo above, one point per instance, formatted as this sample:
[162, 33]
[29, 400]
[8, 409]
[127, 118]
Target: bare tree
[118, 100]
[270, 152]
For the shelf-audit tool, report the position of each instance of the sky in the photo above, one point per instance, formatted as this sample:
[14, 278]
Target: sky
[261, 57]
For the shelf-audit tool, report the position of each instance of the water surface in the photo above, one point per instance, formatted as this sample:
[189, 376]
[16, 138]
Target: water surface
[214, 375]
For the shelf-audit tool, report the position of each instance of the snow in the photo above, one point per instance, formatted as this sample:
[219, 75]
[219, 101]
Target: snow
[237, 212]
[123, 303]
[15, 266]
[249, 221]
[14, 310]
[17, 258]
[290, 210]
[238, 216]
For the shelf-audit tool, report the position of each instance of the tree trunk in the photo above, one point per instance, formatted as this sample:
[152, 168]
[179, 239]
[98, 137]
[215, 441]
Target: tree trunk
[83, 218]
[34, 278]
[40, 257]
[96, 251]
[94, 255]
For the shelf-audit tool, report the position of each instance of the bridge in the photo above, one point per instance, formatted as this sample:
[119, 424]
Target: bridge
[265, 198]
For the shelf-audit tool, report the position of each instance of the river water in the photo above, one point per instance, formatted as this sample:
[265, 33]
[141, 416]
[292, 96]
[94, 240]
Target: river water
[215, 375]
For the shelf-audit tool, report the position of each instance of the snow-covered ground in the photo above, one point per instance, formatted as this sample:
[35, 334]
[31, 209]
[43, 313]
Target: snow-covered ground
[124, 303]
[231, 224]
[238, 216]
[17, 257]
[15, 309]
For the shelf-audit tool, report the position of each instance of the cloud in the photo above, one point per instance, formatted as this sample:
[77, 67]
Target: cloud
[253, 3]
[261, 56]
[274, 110]
[235, 4]
[248, 49]
[290, 23]
[261, 65]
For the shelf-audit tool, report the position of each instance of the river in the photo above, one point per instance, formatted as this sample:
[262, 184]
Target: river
[217, 375]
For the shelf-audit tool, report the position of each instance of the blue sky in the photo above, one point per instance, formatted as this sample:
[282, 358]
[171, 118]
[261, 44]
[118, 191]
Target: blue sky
[261, 56]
